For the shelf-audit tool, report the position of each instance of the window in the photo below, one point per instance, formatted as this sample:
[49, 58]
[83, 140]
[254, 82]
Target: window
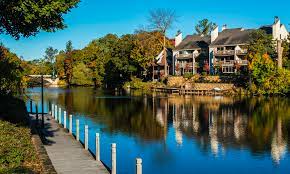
[228, 69]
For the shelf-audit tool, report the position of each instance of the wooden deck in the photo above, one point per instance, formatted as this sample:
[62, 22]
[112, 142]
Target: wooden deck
[66, 154]
[181, 91]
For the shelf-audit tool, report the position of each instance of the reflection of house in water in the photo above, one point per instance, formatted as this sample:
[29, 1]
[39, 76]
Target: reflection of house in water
[278, 145]
[217, 124]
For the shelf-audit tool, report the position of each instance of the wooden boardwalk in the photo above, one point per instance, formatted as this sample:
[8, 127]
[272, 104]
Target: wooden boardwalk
[67, 154]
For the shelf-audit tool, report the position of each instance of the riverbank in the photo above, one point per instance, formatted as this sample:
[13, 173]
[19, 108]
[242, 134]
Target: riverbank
[17, 152]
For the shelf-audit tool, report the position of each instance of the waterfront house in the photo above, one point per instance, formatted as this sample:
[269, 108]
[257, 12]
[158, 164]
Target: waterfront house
[158, 67]
[190, 54]
[228, 48]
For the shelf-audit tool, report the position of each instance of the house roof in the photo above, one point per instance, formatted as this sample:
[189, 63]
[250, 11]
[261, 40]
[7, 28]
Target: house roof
[234, 36]
[160, 59]
[193, 42]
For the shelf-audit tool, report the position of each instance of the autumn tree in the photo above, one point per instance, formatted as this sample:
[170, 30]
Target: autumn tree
[265, 77]
[28, 17]
[204, 27]
[162, 20]
[11, 72]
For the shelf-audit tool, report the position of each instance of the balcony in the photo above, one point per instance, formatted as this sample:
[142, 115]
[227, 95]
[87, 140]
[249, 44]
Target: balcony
[242, 52]
[230, 62]
[184, 56]
[224, 52]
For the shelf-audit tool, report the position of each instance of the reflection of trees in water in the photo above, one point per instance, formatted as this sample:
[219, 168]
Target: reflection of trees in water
[259, 124]
[128, 115]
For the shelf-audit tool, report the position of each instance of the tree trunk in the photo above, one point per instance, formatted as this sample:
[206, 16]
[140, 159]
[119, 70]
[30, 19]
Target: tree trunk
[165, 56]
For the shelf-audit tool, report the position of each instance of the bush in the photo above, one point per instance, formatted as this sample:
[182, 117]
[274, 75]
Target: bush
[188, 75]
[137, 83]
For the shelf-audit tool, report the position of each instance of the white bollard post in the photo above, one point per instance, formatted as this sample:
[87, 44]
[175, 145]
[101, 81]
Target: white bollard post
[59, 115]
[52, 110]
[114, 160]
[97, 146]
[86, 137]
[78, 129]
[55, 114]
[64, 119]
[70, 124]
[138, 166]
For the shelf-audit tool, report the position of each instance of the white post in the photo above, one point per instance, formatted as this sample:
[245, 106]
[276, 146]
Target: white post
[114, 160]
[55, 113]
[59, 117]
[52, 110]
[138, 166]
[70, 124]
[86, 137]
[78, 130]
[97, 146]
[64, 119]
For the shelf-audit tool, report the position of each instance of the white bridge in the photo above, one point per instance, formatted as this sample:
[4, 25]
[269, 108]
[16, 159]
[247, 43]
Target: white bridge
[47, 79]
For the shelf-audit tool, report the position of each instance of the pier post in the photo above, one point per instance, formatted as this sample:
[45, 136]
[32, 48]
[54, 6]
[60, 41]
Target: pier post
[31, 106]
[36, 113]
[78, 129]
[97, 146]
[114, 160]
[55, 115]
[59, 115]
[138, 166]
[52, 110]
[86, 137]
[70, 124]
[64, 119]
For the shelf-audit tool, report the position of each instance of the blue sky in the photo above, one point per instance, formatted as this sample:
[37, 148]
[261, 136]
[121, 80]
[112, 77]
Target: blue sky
[95, 18]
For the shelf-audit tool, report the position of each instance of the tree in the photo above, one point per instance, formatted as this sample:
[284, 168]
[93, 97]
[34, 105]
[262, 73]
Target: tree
[68, 62]
[204, 27]
[11, 72]
[286, 53]
[265, 77]
[27, 17]
[50, 54]
[68, 46]
[161, 20]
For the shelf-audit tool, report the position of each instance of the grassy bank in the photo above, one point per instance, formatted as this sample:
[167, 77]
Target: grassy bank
[17, 153]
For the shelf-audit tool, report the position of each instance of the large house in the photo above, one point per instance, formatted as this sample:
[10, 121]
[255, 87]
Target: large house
[222, 52]
[228, 48]
[190, 55]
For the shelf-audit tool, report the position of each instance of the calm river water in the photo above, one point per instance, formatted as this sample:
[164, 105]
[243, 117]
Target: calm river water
[182, 134]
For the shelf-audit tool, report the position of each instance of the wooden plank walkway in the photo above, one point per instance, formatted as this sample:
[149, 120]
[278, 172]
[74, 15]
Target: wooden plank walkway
[67, 154]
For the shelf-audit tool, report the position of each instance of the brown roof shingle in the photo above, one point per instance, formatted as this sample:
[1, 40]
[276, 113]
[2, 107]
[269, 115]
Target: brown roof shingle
[236, 36]
[193, 42]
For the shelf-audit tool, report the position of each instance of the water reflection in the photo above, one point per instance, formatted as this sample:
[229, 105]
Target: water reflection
[216, 124]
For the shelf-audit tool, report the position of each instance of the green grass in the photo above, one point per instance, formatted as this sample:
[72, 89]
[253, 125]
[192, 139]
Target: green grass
[17, 153]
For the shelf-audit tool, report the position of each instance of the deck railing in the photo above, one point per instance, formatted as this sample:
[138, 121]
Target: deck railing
[231, 62]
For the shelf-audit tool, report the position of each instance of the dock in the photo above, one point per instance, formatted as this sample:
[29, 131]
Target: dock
[183, 91]
[67, 155]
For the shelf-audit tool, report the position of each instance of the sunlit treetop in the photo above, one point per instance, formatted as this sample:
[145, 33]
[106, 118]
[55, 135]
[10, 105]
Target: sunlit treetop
[24, 18]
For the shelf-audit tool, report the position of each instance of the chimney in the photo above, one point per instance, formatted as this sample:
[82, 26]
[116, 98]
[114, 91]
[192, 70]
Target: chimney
[276, 28]
[178, 38]
[224, 27]
[214, 34]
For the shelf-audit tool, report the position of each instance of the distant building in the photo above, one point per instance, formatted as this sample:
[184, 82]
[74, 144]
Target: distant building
[223, 52]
